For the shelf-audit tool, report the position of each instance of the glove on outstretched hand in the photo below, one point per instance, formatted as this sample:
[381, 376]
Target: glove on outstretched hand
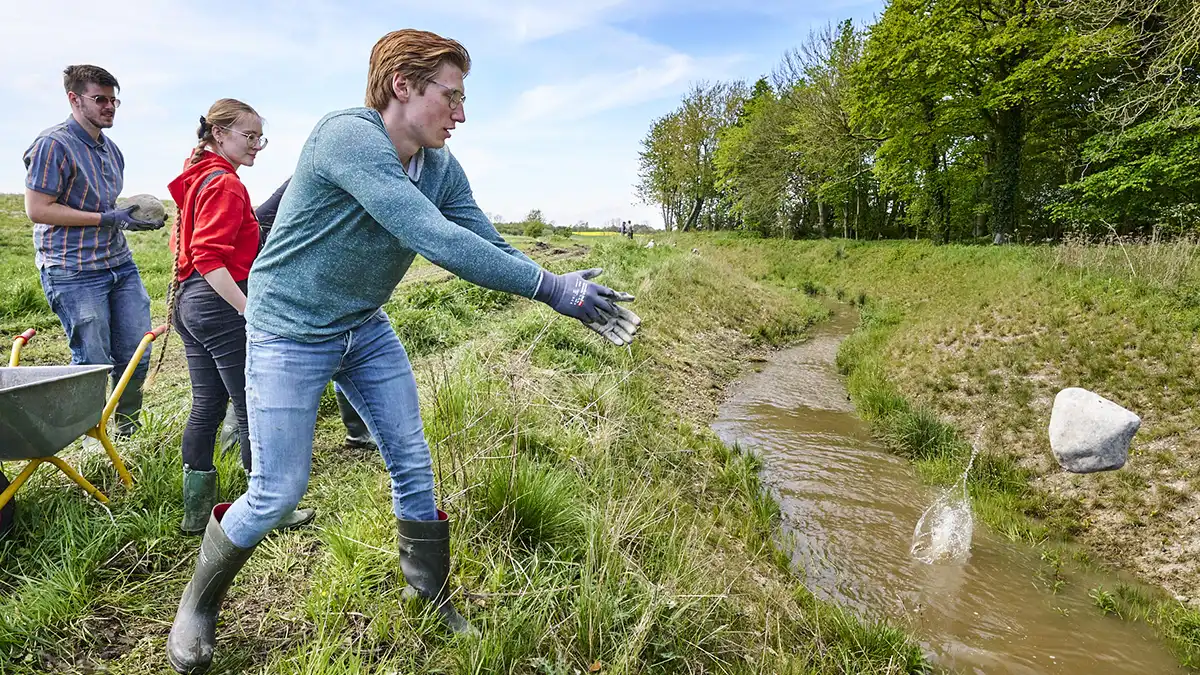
[574, 296]
[620, 326]
[122, 217]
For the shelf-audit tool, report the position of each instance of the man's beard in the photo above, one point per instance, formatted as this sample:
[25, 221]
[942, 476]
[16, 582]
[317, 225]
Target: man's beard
[100, 121]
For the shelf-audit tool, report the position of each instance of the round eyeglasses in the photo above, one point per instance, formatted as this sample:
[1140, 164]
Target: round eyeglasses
[455, 96]
[255, 141]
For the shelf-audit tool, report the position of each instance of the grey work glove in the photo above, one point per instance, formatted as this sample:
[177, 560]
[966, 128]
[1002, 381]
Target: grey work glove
[620, 326]
[122, 217]
[574, 296]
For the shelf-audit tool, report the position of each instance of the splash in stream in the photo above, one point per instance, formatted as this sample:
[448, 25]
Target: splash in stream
[943, 533]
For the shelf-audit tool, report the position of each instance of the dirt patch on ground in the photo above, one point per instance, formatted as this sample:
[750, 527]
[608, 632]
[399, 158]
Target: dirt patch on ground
[698, 379]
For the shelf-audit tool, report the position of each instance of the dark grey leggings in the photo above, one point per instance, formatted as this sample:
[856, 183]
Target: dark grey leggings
[214, 339]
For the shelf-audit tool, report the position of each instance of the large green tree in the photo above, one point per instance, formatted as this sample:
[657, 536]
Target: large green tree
[950, 119]
[677, 169]
[755, 165]
[1141, 172]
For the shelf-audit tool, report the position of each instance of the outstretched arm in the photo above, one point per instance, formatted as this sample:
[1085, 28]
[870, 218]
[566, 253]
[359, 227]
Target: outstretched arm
[357, 156]
[462, 209]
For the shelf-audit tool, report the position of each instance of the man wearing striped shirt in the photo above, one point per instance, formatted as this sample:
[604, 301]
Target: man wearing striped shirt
[74, 175]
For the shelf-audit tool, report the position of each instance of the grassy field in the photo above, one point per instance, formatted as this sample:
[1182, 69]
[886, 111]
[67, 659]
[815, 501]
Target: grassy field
[959, 343]
[599, 526]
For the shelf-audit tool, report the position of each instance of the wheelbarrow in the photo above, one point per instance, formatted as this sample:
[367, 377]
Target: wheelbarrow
[43, 409]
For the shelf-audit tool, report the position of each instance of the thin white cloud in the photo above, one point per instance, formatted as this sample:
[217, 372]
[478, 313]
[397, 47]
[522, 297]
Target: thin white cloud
[533, 20]
[598, 92]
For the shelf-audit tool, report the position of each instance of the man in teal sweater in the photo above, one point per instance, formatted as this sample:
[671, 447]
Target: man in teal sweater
[373, 188]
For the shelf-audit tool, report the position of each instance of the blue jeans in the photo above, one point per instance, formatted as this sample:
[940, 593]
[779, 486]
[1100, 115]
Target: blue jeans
[284, 383]
[105, 314]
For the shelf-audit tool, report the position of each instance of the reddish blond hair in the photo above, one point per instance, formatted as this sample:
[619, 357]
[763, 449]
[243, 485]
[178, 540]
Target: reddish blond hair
[415, 54]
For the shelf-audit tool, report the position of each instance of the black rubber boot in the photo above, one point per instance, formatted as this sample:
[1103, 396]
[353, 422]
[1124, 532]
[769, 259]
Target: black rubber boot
[357, 433]
[194, 633]
[425, 561]
[129, 408]
[199, 498]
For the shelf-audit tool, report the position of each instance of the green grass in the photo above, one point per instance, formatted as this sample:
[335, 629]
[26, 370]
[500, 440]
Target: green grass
[964, 342]
[596, 519]
[1177, 623]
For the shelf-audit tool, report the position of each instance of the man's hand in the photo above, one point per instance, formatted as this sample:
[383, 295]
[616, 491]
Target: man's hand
[594, 305]
[619, 327]
[574, 296]
[122, 217]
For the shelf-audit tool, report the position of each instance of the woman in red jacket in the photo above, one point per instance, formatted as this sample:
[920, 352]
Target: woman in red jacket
[215, 241]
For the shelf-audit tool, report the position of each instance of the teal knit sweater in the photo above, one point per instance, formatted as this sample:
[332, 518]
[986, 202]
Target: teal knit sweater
[351, 223]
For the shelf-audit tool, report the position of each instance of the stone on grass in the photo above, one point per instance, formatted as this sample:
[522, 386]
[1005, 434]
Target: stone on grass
[1090, 433]
[145, 207]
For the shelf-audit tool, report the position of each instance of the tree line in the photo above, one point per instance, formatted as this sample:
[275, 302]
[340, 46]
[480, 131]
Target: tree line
[950, 120]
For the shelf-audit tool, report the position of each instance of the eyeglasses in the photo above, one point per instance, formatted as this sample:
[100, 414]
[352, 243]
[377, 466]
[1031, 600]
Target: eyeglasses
[254, 140]
[103, 100]
[456, 96]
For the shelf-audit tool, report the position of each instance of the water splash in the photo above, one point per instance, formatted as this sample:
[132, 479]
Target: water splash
[944, 531]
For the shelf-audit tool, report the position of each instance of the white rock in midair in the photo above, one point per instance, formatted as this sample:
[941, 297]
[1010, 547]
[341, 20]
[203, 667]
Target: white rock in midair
[1090, 433]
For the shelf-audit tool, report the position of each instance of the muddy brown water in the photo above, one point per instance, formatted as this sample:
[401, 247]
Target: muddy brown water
[849, 508]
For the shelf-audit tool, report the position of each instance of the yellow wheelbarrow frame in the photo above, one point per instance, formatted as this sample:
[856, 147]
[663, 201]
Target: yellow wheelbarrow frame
[99, 432]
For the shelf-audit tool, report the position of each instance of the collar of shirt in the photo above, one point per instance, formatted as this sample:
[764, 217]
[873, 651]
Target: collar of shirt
[415, 165]
[83, 135]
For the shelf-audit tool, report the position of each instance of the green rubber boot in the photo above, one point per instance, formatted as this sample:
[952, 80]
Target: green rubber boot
[425, 561]
[194, 633]
[296, 519]
[129, 408]
[199, 498]
[357, 433]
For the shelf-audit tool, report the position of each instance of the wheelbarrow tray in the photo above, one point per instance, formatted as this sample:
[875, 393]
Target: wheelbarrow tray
[43, 409]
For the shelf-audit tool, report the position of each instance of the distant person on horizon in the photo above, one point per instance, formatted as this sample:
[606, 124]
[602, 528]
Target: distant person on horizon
[374, 187]
[74, 174]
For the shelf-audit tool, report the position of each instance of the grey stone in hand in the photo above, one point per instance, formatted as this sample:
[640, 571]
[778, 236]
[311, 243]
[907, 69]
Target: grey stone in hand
[146, 208]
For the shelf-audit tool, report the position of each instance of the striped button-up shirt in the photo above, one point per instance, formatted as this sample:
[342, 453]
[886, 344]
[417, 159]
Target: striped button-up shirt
[84, 174]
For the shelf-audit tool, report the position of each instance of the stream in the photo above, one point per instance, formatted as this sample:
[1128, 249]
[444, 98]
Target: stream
[848, 512]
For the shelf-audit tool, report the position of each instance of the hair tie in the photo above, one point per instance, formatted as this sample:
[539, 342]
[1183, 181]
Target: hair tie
[204, 127]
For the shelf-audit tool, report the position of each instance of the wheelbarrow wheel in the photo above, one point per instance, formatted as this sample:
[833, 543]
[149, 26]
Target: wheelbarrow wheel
[9, 512]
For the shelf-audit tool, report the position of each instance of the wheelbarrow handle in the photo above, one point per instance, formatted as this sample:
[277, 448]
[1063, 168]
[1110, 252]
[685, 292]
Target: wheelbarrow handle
[119, 388]
[19, 342]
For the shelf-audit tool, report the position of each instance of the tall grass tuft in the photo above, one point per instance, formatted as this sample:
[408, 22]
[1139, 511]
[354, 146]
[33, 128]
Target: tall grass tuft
[538, 504]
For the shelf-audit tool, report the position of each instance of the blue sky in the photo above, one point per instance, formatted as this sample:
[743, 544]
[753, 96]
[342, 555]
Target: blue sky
[559, 95]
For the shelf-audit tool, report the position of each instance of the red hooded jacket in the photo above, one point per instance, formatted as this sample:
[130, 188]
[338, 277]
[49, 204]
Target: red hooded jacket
[217, 227]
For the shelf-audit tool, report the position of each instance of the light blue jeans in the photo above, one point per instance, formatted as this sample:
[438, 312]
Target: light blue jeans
[105, 313]
[284, 383]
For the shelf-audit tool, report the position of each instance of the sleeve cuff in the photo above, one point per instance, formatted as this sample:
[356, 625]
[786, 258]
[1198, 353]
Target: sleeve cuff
[43, 190]
[206, 265]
